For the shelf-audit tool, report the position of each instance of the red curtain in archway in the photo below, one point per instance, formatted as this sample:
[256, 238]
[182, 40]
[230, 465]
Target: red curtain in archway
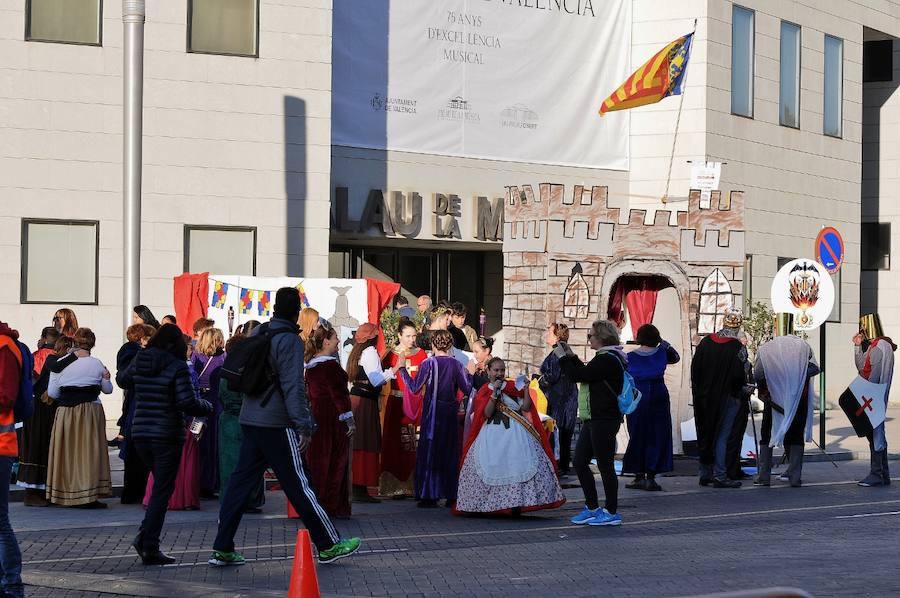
[637, 294]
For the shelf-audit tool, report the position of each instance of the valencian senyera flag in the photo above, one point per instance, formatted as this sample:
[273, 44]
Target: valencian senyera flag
[659, 77]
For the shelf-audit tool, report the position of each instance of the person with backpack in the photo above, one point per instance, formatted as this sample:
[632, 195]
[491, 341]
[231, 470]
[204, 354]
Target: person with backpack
[12, 371]
[277, 428]
[163, 394]
[602, 380]
[649, 449]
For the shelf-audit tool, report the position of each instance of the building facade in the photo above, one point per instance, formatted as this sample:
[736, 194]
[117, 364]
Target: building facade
[242, 175]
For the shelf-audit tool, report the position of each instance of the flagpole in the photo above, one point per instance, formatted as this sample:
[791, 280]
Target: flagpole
[665, 197]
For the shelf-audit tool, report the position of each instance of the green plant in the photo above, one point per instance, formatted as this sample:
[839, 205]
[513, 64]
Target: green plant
[758, 326]
[390, 321]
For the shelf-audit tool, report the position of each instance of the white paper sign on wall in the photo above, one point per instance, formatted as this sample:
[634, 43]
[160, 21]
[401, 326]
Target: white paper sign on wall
[705, 177]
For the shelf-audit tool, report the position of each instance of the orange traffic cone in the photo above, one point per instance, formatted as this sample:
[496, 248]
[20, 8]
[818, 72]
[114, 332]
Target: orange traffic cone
[304, 583]
[292, 514]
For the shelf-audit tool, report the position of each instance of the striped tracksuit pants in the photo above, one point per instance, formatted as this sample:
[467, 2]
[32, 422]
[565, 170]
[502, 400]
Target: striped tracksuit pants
[279, 449]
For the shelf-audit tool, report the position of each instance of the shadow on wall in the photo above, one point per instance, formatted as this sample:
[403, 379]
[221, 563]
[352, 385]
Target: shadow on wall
[360, 104]
[875, 96]
[295, 183]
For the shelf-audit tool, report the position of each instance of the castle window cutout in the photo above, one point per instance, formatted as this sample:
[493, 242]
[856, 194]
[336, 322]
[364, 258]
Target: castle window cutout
[577, 299]
[716, 296]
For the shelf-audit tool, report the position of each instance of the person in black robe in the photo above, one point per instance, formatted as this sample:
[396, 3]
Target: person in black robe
[718, 379]
[136, 472]
[739, 428]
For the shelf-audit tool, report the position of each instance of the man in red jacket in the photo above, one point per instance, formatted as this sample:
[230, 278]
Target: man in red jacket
[10, 380]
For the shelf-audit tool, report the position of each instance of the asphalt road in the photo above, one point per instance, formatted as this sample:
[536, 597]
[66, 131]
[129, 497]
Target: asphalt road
[830, 538]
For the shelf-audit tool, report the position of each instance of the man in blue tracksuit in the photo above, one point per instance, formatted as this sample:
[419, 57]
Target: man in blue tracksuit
[277, 427]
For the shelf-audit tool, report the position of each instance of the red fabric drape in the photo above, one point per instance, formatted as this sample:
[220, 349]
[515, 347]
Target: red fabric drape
[638, 294]
[191, 299]
[379, 295]
[641, 305]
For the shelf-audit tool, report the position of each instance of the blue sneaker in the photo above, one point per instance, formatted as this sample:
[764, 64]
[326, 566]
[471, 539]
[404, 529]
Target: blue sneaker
[585, 516]
[604, 517]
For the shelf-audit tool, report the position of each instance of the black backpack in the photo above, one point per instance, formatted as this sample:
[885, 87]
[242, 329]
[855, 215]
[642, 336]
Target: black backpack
[247, 369]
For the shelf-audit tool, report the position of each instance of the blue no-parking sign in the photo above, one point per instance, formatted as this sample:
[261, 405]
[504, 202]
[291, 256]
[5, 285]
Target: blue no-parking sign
[830, 249]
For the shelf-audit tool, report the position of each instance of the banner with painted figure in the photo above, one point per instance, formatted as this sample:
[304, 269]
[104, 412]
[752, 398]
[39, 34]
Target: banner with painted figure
[342, 302]
[514, 80]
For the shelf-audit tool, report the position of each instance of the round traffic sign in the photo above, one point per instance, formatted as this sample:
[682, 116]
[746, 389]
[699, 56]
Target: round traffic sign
[830, 249]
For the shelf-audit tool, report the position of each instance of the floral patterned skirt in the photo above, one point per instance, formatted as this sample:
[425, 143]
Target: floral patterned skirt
[542, 491]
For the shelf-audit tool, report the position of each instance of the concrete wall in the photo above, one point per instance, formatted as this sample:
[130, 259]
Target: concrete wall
[881, 190]
[227, 141]
[795, 181]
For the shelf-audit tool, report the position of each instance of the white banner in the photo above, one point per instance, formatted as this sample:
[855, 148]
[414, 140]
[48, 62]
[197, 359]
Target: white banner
[803, 288]
[514, 80]
[705, 177]
[344, 302]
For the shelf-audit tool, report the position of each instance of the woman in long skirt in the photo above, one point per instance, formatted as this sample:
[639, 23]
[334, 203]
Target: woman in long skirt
[650, 425]
[442, 378]
[78, 466]
[34, 444]
[367, 377]
[207, 359]
[398, 441]
[507, 463]
[329, 401]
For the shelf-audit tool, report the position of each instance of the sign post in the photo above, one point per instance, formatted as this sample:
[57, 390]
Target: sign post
[829, 250]
[804, 288]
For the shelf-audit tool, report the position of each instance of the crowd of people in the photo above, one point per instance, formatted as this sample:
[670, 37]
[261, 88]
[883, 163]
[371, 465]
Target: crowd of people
[434, 418]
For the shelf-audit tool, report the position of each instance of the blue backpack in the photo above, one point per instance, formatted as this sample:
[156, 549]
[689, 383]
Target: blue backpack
[630, 395]
[24, 407]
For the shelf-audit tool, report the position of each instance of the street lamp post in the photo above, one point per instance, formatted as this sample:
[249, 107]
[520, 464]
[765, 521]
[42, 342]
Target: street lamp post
[133, 12]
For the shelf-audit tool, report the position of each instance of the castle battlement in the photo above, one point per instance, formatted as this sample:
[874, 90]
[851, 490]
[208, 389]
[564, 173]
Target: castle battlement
[583, 223]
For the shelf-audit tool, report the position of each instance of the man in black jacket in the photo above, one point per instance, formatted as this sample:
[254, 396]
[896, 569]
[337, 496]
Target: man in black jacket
[277, 427]
[718, 378]
[163, 394]
[598, 404]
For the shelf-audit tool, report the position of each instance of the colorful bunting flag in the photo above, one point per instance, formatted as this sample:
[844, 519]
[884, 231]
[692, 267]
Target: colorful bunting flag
[263, 302]
[304, 300]
[219, 294]
[246, 300]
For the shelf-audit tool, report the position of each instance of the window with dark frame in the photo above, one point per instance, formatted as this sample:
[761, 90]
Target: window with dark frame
[60, 261]
[220, 249]
[878, 60]
[833, 87]
[742, 52]
[789, 79]
[875, 253]
[64, 21]
[229, 27]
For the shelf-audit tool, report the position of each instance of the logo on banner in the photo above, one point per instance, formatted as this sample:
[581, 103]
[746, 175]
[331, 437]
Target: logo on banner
[381, 103]
[519, 116]
[459, 110]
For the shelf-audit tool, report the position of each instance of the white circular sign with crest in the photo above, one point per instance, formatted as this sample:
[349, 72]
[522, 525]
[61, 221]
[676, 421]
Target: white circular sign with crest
[804, 288]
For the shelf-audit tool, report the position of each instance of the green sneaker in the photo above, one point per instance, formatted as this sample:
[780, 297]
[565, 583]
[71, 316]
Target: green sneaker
[341, 550]
[224, 559]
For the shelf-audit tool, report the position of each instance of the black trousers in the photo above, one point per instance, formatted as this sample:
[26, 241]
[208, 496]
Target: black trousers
[736, 440]
[597, 440]
[163, 459]
[136, 473]
[279, 449]
[565, 447]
